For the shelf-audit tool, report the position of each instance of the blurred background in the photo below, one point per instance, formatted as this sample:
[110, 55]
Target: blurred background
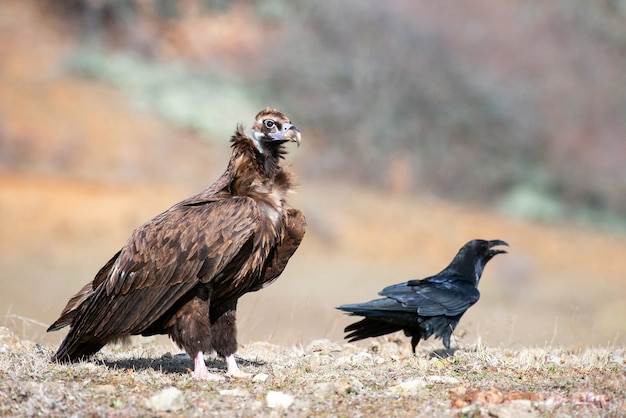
[425, 124]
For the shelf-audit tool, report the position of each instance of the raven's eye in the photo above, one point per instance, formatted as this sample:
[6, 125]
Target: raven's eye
[269, 124]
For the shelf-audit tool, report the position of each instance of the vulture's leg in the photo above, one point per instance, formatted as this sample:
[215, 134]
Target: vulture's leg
[233, 370]
[201, 372]
[190, 329]
[224, 337]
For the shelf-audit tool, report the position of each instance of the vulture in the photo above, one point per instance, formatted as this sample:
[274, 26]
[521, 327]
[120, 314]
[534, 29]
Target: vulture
[431, 306]
[182, 272]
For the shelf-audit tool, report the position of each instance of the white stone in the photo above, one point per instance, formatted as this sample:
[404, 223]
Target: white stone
[234, 392]
[169, 399]
[408, 387]
[443, 379]
[260, 378]
[276, 399]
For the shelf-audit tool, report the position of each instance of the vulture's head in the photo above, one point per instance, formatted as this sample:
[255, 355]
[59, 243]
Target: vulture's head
[271, 127]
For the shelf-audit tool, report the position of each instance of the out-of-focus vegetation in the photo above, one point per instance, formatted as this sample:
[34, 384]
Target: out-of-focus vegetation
[191, 99]
[520, 105]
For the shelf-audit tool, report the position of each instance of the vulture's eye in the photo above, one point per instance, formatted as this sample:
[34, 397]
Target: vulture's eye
[269, 124]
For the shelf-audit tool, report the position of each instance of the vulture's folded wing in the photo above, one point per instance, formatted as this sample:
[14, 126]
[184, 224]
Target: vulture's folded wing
[166, 258]
[290, 241]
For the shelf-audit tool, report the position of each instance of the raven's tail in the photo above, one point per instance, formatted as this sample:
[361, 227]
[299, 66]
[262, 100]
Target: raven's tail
[369, 327]
[379, 319]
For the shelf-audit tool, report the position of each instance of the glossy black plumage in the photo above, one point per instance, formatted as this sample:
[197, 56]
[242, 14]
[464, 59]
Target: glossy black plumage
[431, 306]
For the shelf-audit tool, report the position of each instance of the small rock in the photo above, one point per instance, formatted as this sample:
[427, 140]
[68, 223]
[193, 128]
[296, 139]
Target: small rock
[470, 411]
[260, 378]
[521, 408]
[408, 387]
[323, 389]
[234, 392]
[169, 399]
[104, 389]
[276, 399]
[348, 386]
[447, 380]
[319, 346]
[556, 360]
[353, 360]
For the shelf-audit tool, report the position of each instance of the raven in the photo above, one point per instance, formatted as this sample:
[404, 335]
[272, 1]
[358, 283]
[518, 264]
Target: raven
[433, 305]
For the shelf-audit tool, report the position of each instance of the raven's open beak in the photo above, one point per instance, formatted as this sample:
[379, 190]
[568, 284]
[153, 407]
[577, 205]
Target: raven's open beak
[495, 243]
[289, 133]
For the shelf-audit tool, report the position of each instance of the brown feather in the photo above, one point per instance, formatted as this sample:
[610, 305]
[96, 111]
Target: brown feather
[182, 272]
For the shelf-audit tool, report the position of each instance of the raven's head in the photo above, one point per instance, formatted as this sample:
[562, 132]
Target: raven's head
[482, 251]
[487, 247]
[471, 259]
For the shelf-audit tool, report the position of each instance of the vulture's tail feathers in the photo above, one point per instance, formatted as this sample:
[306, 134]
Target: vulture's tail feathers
[77, 347]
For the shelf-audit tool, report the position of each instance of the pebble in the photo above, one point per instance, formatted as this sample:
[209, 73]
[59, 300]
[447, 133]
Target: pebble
[260, 378]
[234, 392]
[323, 389]
[556, 359]
[447, 380]
[348, 386]
[169, 399]
[520, 408]
[104, 389]
[275, 399]
[354, 360]
[408, 387]
[322, 346]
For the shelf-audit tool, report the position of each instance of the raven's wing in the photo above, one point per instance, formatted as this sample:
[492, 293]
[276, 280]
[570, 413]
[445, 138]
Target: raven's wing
[432, 299]
[163, 260]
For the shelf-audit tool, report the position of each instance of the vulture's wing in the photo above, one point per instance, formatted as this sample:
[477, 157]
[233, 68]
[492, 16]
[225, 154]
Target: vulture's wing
[166, 258]
[73, 305]
[428, 299]
[292, 236]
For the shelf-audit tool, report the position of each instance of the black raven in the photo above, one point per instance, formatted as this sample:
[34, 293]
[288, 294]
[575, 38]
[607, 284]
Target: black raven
[433, 305]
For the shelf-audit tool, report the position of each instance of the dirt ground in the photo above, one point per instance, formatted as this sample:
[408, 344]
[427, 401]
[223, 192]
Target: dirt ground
[319, 379]
[81, 168]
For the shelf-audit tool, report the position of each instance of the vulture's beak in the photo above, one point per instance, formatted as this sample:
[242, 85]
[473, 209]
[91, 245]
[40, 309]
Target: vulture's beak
[495, 243]
[289, 133]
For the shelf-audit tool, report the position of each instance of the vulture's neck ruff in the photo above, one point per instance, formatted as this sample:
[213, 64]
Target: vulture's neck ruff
[255, 163]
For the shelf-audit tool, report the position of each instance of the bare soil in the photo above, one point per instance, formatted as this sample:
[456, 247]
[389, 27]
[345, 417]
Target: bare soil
[319, 379]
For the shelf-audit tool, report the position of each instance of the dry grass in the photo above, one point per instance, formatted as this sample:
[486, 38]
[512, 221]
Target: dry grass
[321, 379]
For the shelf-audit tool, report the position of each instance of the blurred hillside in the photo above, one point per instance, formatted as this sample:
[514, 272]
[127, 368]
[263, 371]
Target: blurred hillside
[518, 105]
[424, 125]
